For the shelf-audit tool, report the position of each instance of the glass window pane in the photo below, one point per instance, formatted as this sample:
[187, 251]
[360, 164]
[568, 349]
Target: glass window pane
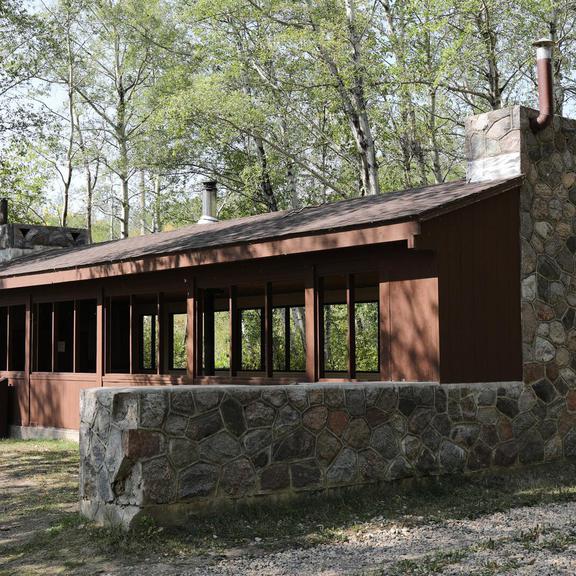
[335, 337]
[178, 352]
[222, 340]
[366, 336]
[251, 335]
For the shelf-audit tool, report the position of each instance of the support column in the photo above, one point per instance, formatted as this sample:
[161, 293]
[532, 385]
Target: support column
[208, 333]
[28, 347]
[350, 301]
[268, 335]
[54, 337]
[161, 352]
[133, 337]
[100, 336]
[312, 328]
[234, 332]
[75, 346]
[384, 327]
[191, 334]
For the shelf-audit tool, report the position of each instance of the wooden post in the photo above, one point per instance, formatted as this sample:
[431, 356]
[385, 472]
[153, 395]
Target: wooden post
[28, 353]
[209, 333]
[54, 337]
[350, 303]
[8, 341]
[268, 334]
[320, 346]
[235, 344]
[200, 336]
[160, 351]
[100, 336]
[287, 338]
[311, 304]
[133, 336]
[75, 346]
[384, 326]
[191, 333]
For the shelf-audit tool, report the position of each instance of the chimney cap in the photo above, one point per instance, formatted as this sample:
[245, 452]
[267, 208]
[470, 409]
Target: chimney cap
[543, 43]
[210, 184]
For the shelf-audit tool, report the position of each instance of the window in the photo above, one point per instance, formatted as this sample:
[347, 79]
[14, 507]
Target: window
[251, 335]
[64, 344]
[350, 324]
[17, 336]
[289, 339]
[335, 337]
[43, 336]
[148, 341]
[367, 336]
[86, 336]
[222, 340]
[119, 335]
[178, 341]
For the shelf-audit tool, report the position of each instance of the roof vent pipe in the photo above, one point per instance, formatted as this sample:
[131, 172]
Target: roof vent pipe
[545, 87]
[3, 211]
[209, 196]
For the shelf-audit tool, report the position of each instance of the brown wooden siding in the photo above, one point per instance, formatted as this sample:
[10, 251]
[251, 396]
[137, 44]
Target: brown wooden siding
[449, 309]
[478, 257]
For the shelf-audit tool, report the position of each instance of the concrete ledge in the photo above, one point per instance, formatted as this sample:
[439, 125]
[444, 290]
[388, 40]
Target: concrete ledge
[171, 452]
[43, 433]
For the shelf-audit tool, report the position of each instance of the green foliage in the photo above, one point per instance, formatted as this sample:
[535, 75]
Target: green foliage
[251, 339]
[179, 322]
[282, 101]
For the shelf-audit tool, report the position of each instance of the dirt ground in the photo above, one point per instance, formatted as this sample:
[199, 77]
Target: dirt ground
[520, 524]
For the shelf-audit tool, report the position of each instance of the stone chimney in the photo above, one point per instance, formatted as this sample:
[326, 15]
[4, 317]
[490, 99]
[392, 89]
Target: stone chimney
[502, 144]
[17, 240]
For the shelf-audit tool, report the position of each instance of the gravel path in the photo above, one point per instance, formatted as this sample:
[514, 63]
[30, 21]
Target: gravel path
[533, 541]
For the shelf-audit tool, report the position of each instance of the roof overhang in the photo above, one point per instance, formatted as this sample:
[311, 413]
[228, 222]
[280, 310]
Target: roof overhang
[362, 236]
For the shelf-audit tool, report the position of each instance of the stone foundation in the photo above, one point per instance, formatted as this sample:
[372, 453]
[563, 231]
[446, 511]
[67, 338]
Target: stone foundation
[170, 452]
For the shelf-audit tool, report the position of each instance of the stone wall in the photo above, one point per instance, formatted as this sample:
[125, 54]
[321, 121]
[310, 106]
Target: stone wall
[171, 451]
[18, 240]
[501, 144]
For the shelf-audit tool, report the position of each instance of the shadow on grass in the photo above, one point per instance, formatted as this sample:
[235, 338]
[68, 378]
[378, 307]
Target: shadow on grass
[63, 538]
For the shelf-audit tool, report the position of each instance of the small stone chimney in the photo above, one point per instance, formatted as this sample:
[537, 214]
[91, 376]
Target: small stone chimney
[503, 144]
[209, 202]
[17, 240]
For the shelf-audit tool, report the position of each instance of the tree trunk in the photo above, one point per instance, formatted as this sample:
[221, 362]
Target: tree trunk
[142, 203]
[361, 122]
[265, 180]
[157, 227]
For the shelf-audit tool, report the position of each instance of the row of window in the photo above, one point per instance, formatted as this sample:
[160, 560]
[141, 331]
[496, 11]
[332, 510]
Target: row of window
[64, 337]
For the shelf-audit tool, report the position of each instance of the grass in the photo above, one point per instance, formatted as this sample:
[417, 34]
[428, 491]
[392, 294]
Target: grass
[42, 532]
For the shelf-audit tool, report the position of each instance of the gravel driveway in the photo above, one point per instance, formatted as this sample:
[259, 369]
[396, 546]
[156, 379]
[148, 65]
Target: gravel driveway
[529, 541]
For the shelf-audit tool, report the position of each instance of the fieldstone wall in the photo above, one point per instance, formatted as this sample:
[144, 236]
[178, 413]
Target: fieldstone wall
[501, 144]
[171, 451]
[18, 240]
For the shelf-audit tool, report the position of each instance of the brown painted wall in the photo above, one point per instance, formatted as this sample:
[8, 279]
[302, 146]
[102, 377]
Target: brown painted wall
[478, 255]
[55, 399]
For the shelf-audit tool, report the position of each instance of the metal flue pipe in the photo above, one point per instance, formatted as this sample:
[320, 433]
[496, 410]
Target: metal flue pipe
[209, 198]
[545, 85]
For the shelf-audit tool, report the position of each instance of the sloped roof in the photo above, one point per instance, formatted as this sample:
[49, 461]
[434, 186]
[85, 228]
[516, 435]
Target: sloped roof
[407, 205]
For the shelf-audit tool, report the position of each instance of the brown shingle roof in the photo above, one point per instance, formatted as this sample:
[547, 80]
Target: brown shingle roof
[413, 204]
